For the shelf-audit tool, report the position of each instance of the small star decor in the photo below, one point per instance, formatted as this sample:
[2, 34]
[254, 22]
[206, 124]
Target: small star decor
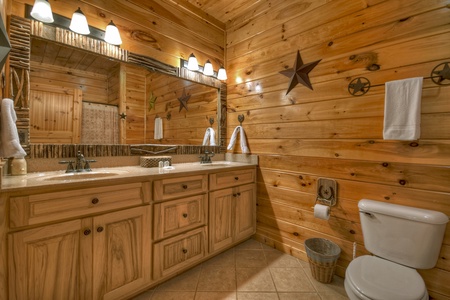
[299, 74]
[359, 86]
[183, 100]
[439, 76]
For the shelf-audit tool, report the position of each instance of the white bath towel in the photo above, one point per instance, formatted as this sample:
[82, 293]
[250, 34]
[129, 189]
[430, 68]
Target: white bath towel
[158, 129]
[243, 140]
[402, 109]
[10, 143]
[210, 137]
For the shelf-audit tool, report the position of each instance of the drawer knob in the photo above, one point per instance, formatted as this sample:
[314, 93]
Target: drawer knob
[87, 232]
[236, 178]
[185, 215]
[95, 201]
[100, 229]
[185, 186]
[184, 250]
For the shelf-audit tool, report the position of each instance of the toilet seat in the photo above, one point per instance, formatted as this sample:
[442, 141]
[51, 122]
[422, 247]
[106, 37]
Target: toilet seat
[377, 278]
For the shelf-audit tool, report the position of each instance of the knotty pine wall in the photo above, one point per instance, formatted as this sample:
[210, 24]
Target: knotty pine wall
[326, 132]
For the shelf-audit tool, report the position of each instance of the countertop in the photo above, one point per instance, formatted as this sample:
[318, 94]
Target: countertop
[58, 178]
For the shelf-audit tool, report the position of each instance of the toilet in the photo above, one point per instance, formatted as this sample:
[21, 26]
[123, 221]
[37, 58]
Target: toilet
[401, 239]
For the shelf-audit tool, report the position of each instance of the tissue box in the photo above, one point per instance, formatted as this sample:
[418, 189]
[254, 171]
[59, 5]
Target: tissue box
[153, 161]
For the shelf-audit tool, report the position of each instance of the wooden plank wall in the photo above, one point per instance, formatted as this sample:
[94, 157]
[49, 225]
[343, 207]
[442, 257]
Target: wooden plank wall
[326, 132]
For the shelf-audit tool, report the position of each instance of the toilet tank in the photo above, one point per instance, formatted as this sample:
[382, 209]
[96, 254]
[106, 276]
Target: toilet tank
[406, 235]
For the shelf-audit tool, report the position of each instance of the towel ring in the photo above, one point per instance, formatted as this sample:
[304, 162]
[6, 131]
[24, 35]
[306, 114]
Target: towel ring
[211, 121]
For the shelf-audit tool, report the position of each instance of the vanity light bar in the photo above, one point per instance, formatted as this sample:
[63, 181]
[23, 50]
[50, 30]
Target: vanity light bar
[205, 70]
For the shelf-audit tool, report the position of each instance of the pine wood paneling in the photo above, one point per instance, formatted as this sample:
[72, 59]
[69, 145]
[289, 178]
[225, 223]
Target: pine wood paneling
[326, 132]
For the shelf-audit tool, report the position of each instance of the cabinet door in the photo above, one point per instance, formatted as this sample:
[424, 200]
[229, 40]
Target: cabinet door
[122, 252]
[221, 219]
[45, 262]
[245, 216]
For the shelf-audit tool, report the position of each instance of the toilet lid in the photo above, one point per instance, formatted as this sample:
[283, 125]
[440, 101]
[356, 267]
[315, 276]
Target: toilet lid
[378, 278]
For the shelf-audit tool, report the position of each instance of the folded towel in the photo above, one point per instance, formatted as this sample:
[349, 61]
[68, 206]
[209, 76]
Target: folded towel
[10, 143]
[210, 136]
[158, 129]
[243, 141]
[402, 109]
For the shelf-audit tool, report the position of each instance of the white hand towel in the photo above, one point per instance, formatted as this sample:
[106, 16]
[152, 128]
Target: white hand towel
[402, 109]
[10, 143]
[243, 140]
[210, 137]
[158, 129]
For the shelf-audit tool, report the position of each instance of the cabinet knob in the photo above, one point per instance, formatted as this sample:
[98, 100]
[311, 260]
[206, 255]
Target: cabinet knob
[87, 232]
[185, 186]
[238, 194]
[185, 215]
[184, 250]
[234, 195]
[100, 229]
[236, 178]
[95, 201]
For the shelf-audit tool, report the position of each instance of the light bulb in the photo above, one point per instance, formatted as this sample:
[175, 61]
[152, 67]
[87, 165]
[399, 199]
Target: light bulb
[42, 11]
[112, 35]
[222, 74]
[192, 63]
[208, 69]
[79, 23]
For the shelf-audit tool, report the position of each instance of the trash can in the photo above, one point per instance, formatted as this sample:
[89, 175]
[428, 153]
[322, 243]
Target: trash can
[322, 256]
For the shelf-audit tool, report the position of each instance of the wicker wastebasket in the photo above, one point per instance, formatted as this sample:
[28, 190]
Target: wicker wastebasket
[322, 256]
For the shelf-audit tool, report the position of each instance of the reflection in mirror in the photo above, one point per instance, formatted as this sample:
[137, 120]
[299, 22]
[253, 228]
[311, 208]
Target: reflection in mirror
[77, 97]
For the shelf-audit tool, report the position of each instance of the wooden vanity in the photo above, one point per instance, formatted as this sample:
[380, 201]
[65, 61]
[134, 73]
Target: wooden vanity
[112, 238]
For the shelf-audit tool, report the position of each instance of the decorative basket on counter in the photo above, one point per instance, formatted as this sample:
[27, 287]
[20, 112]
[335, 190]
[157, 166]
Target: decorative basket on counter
[153, 161]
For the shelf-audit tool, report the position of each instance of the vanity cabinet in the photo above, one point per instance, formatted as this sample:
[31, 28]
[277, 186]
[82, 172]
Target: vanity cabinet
[83, 254]
[179, 222]
[232, 208]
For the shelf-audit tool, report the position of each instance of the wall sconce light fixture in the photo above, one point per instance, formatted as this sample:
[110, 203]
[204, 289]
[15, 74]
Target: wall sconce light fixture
[42, 11]
[192, 65]
[79, 23]
[112, 35]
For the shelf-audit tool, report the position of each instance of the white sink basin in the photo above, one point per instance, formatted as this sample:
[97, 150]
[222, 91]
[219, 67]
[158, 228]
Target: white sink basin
[82, 175]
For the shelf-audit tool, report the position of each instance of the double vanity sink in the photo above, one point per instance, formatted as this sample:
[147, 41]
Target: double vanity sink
[111, 233]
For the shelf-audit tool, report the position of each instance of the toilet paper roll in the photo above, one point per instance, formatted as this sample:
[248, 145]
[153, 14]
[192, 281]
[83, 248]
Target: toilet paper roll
[322, 211]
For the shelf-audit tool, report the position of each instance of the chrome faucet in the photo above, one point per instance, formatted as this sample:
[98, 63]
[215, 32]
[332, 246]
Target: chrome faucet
[206, 158]
[81, 164]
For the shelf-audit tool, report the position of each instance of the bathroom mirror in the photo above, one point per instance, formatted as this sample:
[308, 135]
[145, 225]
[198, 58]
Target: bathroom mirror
[80, 88]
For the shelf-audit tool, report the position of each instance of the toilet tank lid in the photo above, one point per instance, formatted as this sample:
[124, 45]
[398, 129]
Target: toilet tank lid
[404, 212]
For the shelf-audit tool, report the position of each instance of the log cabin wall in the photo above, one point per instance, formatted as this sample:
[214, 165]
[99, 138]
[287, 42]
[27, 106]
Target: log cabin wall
[326, 132]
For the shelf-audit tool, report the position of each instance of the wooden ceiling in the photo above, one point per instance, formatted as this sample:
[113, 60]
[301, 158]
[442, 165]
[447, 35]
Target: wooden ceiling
[222, 10]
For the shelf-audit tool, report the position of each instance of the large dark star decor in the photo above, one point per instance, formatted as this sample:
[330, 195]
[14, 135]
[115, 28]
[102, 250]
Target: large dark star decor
[299, 74]
[183, 100]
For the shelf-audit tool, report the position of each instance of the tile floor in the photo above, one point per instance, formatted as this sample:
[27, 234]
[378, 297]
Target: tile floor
[249, 271]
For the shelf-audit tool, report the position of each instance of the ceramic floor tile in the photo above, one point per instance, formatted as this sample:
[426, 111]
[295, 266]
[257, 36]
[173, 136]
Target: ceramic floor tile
[300, 296]
[277, 259]
[291, 280]
[186, 281]
[333, 296]
[226, 259]
[147, 295]
[335, 287]
[215, 296]
[250, 258]
[162, 295]
[257, 296]
[254, 279]
[249, 244]
[214, 278]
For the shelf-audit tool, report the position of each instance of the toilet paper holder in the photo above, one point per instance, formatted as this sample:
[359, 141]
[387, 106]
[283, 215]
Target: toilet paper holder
[326, 191]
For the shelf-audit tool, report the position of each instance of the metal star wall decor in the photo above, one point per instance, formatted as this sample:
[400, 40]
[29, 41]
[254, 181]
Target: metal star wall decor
[359, 86]
[299, 74]
[439, 76]
[183, 100]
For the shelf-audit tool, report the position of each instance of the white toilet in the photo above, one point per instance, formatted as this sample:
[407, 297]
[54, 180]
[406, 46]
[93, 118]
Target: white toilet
[402, 239]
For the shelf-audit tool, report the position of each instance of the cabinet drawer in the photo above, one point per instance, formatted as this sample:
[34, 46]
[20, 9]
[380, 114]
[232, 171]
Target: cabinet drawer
[175, 216]
[40, 208]
[231, 178]
[171, 188]
[177, 253]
